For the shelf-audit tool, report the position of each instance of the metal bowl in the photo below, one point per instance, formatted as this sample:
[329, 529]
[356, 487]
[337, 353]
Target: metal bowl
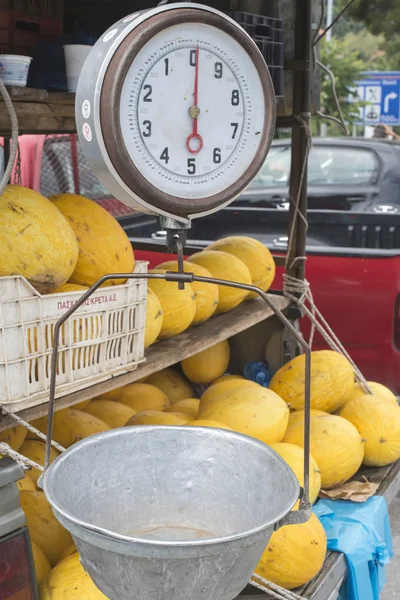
[170, 513]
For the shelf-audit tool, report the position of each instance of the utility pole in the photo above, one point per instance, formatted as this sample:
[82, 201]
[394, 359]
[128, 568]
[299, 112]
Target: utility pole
[329, 19]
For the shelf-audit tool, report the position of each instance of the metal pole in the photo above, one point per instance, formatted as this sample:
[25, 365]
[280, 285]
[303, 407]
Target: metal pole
[7, 151]
[300, 138]
[329, 19]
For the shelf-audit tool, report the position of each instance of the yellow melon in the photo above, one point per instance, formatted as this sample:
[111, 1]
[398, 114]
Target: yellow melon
[42, 565]
[208, 423]
[69, 581]
[178, 306]
[378, 423]
[68, 552]
[115, 414]
[103, 245]
[207, 295]
[227, 377]
[143, 396]
[14, 436]
[379, 390]
[225, 266]
[71, 426]
[207, 365]
[257, 258]
[215, 391]
[259, 413]
[41, 424]
[332, 376]
[336, 445]
[175, 386]
[81, 405]
[154, 319]
[294, 457]
[35, 450]
[70, 287]
[154, 417]
[190, 407]
[111, 395]
[294, 555]
[26, 483]
[298, 416]
[183, 416]
[36, 240]
[43, 527]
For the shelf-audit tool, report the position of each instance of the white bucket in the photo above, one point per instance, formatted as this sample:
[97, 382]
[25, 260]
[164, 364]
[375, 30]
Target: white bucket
[75, 56]
[14, 69]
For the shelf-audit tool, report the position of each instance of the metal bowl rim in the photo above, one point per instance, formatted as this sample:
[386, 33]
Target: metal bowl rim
[166, 543]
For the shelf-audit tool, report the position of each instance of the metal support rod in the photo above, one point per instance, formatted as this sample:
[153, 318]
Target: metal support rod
[298, 186]
[6, 150]
[75, 163]
[190, 278]
[300, 139]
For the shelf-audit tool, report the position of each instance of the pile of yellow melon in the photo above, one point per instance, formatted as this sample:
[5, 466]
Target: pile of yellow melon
[367, 431]
[66, 243]
[62, 244]
[240, 259]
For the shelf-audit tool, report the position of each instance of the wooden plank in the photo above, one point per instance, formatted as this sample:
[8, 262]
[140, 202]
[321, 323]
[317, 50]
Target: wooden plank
[36, 109]
[39, 111]
[41, 125]
[166, 353]
[18, 94]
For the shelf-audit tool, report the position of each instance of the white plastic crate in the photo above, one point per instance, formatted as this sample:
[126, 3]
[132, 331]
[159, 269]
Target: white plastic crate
[104, 338]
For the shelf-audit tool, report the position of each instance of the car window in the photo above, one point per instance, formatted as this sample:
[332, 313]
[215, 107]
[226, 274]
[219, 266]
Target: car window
[328, 165]
[57, 175]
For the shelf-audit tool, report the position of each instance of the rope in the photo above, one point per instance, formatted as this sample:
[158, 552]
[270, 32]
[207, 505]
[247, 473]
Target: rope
[298, 290]
[31, 428]
[14, 136]
[273, 590]
[23, 461]
[293, 286]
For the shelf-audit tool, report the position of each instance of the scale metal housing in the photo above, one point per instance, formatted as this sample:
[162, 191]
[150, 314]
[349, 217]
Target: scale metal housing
[98, 106]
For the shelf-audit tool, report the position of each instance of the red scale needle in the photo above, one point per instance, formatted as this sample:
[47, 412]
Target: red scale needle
[195, 136]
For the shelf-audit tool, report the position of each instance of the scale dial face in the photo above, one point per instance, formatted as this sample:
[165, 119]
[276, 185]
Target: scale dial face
[187, 111]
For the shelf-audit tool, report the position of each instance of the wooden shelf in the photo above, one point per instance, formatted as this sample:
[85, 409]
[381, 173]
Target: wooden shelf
[163, 354]
[39, 112]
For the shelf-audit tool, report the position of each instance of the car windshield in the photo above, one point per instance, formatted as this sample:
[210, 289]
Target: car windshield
[328, 165]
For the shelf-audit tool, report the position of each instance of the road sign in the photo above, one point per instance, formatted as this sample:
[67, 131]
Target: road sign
[381, 93]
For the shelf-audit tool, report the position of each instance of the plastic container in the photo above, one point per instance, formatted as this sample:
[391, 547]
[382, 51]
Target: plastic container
[104, 338]
[75, 56]
[14, 69]
[267, 33]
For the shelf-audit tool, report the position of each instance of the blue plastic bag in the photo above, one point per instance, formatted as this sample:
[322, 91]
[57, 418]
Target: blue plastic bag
[258, 372]
[362, 533]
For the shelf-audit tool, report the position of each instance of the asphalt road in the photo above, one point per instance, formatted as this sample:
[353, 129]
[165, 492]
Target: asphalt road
[391, 591]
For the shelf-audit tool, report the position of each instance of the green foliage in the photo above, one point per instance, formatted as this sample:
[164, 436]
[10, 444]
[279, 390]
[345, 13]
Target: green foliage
[381, 17]
[346, 65]
[359, 43]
